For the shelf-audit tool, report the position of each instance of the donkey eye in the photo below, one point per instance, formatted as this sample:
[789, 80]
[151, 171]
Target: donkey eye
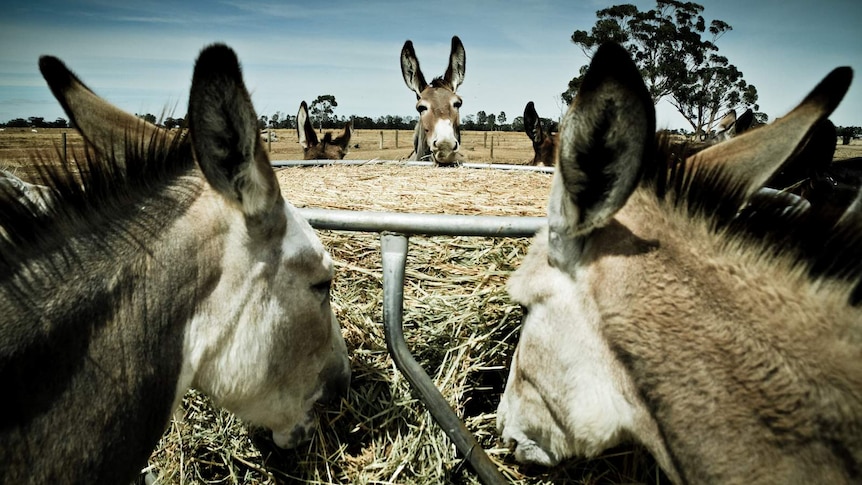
[421, 108]
[322, 288]
[457, 104]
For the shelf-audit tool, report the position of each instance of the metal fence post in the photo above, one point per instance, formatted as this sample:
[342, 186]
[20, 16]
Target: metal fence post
[394, 259]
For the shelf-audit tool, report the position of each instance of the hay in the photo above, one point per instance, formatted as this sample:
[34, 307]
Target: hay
[458, 323]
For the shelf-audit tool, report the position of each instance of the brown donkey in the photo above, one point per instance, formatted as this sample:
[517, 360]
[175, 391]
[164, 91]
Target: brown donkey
[162, 261]
[544, 142]
[438, 132]
[330, 148]
[667, 305]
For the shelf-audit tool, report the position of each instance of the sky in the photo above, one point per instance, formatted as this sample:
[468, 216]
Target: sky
[140, 55]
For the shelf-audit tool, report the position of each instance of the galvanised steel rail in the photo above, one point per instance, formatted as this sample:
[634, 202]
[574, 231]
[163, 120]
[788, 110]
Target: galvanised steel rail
[322, 163]
[394, 228]
[425, 224]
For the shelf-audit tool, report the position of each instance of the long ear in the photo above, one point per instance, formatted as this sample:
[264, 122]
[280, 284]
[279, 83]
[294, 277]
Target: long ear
[813, 156]
[604, 137]
[744, 122]
[105, 127]
[348, 132]
[410, 69]
[224, 133]
[304, 130]
[457, 64]
[728, 120]
[752, 158]
[533, 124]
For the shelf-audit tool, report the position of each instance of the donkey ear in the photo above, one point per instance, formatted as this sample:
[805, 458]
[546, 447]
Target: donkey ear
[753, 157]
[410, 69]
[304, 130]
[604, 137]
[744, 122]
[224, 132]
[457, 64]
[348, 132]
[106, 128]
[533, 124]
[728, 120]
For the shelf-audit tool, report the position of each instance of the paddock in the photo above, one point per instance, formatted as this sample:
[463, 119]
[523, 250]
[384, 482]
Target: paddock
[458, 323]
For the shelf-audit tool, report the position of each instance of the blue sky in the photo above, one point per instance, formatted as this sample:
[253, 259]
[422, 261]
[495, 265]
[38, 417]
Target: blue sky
[139, 55]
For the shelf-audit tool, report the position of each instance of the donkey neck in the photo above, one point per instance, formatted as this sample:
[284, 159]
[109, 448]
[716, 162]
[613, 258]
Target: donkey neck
[110, 295]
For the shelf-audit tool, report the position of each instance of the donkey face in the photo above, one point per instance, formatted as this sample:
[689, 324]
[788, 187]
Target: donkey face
[262, 339]
[544, 142]
[329, 149]
[265, 343]
[658, 308]
[438, 132]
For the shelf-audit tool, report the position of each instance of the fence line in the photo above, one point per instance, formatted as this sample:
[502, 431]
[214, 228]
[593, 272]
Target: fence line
[408, 163]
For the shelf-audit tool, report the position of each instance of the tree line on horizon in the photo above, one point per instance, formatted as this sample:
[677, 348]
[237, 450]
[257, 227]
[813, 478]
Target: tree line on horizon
[673, 45]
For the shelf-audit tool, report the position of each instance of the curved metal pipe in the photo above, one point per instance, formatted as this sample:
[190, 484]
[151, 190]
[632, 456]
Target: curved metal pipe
[394, 254]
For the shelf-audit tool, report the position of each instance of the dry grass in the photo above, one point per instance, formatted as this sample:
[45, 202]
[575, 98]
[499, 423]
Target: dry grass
[458, 321]
[459, 324]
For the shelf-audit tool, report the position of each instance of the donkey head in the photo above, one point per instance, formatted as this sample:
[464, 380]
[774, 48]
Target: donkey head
[438, 132]
[262, 339]
[329, 149]
[654, 313]
[544, 142]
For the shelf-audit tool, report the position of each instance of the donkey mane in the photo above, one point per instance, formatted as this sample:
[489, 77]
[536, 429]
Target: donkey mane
[827, 247]
[90, 190]
[439, 82]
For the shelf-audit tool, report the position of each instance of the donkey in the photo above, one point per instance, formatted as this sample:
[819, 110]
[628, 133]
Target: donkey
[666, 305]
[438, 132]
[168, 261]
[544, 142]
[329, 149]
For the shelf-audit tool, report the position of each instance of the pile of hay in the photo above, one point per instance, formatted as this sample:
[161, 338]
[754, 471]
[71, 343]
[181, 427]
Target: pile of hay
[458, 322]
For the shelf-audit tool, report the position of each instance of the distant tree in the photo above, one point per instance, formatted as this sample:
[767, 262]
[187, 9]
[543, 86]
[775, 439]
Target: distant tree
[501, 119]
[59, 123]
[676, 62]
[468, 122]
[286, 122]
[518, 123]
[36, 121]
[18, 123]
[322, 108]
[171, 123]
[847, 133]
[149, 118]
[491, 122]
[481, 120]
[273, 120]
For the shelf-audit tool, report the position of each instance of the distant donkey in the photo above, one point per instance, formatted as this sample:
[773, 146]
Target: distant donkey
[329, 148]
[544, 142]
[438, 132]
[163, 261]
[730, 126]
[668, 305]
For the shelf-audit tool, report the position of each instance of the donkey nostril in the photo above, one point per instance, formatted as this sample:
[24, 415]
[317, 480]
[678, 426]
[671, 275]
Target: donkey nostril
[457, 145]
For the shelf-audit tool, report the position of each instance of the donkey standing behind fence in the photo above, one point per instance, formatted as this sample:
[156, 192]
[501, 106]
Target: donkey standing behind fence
[544, 142]
[666, 305]
[147, 274]
[438, 131]
[312, 148]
